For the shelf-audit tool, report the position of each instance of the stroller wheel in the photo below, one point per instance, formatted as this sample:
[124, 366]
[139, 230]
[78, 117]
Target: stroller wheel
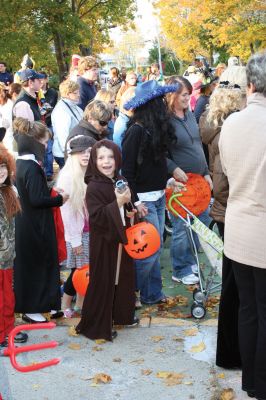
[198, 296]
[198, 311]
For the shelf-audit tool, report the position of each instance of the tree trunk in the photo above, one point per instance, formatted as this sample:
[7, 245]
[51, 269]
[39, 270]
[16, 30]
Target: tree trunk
[59, 53]
[251, 45]
[211, 56]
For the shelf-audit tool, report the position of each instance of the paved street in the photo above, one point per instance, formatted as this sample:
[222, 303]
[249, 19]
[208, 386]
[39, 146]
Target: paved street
[143, 363]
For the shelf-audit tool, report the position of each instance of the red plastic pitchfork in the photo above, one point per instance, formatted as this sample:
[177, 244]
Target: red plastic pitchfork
[12, 351]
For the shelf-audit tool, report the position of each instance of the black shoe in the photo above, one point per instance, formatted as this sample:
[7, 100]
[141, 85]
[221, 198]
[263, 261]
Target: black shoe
[251, 394]
[58, 314]
[114, 335]
[134, 323]
[21, 337]
[29, 320]
[3, 344]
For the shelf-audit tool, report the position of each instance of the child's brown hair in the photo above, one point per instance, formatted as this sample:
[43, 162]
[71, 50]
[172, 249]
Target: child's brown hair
[10, 198]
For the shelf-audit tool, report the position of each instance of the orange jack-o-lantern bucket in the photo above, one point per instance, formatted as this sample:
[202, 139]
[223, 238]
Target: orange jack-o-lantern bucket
[80, 279]
[143, 240]
[195, 198]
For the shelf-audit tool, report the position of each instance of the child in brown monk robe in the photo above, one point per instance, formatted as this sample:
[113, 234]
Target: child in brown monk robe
[110, 298]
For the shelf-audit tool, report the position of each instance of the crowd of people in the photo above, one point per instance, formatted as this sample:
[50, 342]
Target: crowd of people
[150, 135]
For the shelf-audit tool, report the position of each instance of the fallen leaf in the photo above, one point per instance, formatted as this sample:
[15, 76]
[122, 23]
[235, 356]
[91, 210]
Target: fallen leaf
[178, 339]
[117, 359]
[100, 341]
[160, 350]
[118, 327]
[72, 331]
[228, 394]
[138, 361]
[36, 386]
[198, 348]
[171, 378]
[102, 378]
[74, 346]
[146, 372]
[157, 339]
[191, 332]
[221, 376]
[97, 348]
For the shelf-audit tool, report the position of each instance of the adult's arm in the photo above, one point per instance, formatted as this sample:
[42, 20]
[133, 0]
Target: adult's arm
[61, 122]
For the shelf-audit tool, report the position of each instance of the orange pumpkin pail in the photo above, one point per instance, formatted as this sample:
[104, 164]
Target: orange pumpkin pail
[80, 279]
[196, 198]
[143, 240]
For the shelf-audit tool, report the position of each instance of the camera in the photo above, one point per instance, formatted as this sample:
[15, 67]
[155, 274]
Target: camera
[121, 185]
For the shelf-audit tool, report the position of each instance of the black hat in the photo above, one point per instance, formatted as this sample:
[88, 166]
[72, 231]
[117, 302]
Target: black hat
[80, 143]
[29, 74]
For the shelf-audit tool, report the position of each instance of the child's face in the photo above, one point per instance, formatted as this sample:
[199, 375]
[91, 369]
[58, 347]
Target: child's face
[84, 157]
[3, 173]
[106, 161]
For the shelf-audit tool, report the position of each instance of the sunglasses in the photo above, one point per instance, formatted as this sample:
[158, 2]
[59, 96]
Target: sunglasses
[103, 123]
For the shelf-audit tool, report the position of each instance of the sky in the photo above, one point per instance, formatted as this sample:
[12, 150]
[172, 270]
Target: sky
[145, 22]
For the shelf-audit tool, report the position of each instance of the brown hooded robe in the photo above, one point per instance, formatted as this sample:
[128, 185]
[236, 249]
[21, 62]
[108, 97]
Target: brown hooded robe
[106, 303]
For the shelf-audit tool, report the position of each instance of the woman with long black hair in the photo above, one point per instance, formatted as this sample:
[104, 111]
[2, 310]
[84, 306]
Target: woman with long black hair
[144, 166]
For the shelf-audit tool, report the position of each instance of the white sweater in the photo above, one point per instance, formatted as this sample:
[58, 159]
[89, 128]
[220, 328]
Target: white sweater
[243, 157]
[63, 121]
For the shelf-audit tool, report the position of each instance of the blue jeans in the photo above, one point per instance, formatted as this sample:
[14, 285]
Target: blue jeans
[49, 159]
[148, 270]
[60, 161]
[181, 254]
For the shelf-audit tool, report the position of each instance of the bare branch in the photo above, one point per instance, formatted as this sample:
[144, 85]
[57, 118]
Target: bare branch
[97, 4]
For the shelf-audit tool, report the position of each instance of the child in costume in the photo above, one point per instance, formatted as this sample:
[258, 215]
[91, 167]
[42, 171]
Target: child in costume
[36, 272]
[9, 206]
[75, 215]
[110, 298]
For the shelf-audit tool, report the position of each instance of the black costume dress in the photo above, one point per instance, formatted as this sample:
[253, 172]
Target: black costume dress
[36, 270]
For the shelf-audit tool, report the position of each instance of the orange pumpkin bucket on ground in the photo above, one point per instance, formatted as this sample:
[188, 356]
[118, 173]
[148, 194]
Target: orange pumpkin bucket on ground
[196, 198]
[81, 279]
[143, 240]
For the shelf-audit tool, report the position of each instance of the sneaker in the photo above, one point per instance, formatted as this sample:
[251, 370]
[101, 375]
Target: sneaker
[68, 313]
[138, 304]
[190, 279]
[195, 269]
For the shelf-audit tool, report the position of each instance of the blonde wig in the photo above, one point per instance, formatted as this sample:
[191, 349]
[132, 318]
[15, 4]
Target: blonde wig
[74, 172]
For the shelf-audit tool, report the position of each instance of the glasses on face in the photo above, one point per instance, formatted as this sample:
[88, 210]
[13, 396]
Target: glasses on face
[103, 123]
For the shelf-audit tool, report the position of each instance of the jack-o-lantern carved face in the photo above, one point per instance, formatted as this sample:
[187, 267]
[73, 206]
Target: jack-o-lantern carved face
[143, 240]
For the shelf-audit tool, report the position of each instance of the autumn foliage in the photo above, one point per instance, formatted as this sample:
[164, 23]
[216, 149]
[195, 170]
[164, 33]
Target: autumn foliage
[195, 27]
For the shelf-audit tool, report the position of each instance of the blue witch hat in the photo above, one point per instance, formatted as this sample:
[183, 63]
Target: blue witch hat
[147, 91]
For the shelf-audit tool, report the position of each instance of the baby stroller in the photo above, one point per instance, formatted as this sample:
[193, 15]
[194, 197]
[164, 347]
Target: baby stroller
[212, 246]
